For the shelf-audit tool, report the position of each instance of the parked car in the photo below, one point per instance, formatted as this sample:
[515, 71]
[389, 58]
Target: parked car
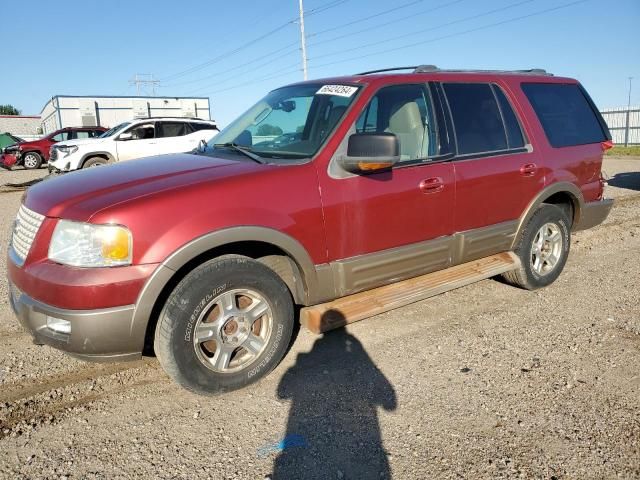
[6, 140]
[409, 184]
[131, 140]
[34, 153]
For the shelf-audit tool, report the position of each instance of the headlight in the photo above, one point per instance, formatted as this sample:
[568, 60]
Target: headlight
[67, 149]
[86, 245]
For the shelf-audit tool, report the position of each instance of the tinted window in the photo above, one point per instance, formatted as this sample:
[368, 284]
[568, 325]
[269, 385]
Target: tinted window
[95, 133]
[61, 137]
[404, 111]
[172, 129]
[476, 118]
[511, 124]
[565, 113]
[143, 131]
[202, 126]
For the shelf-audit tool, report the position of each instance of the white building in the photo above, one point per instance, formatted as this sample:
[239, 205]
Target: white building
[23, 126]
[87, 111]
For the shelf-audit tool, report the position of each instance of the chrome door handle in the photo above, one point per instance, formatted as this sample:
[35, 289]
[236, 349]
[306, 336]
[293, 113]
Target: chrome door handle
[529, 169]
[432, 185]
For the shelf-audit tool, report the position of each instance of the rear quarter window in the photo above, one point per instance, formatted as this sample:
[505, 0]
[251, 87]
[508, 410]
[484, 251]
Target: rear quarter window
[566, 114]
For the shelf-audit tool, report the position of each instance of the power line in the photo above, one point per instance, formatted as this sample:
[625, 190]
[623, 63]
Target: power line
[291, 47]
[391, 22]
[443, 25]
[220, 57]
[483, 27]
[379, 14]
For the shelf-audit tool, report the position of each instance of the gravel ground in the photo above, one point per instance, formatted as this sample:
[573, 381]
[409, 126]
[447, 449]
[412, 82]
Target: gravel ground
[487, 381]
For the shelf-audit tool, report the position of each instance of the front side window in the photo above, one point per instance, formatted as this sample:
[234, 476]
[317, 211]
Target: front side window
[565, 113]
[114, 130]
[144, 131]
[403, 110]
[171, 129]
[291, 122]
[476, 118]
[81, 135]
[61, 137]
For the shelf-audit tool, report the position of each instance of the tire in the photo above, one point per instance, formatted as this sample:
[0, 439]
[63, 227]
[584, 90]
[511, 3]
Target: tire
[543, 249]
[208, 352]
[31, 160]
[95, 162]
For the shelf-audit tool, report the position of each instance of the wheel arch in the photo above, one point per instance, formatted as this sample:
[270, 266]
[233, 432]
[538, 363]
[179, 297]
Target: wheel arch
[564, 194]
[106, 155]
[280, 252]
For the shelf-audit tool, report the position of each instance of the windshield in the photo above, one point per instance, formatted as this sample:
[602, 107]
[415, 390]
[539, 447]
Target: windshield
[291, 122]
[113, 130]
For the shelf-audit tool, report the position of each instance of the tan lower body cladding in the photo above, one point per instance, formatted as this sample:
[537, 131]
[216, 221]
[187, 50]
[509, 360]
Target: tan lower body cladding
[327, 316]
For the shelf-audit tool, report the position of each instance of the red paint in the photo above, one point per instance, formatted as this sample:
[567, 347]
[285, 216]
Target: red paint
[168, 201]
[43, 145]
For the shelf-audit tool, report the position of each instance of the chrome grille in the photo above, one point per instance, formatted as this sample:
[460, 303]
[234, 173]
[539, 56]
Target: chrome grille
[24, 231]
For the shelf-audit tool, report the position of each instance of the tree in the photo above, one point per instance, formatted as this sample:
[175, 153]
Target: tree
[9, 110]
[266, 130]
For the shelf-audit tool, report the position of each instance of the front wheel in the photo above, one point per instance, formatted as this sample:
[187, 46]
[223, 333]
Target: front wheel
[95, 162]
[31, 160]
[227, 324]
[543, 248]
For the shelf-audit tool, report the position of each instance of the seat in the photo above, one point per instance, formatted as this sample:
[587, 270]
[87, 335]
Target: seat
[406, 123]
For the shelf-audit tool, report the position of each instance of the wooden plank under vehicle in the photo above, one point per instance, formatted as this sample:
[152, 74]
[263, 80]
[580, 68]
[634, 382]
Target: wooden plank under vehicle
[337, 313]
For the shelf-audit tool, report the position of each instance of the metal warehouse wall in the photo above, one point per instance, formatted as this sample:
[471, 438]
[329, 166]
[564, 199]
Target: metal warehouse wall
[68, 111]
[624, 124]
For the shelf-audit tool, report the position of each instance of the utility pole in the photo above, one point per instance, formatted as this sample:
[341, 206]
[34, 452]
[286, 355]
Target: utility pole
[303, 41]
[626, 130]
[144, 80]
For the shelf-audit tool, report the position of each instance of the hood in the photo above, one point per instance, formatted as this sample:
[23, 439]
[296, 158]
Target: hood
[79, 195]
[82, 141]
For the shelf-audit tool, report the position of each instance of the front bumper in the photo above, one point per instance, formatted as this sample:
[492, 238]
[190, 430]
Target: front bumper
[593, 214]
[99, 335]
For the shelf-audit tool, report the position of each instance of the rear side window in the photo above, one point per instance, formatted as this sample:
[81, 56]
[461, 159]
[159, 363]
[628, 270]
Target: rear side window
[202, 126]
[476, 118]
[511, 125]
[565, 113]
[171, 129]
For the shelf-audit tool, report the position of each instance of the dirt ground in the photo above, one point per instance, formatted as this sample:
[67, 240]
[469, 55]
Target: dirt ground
[487, 381]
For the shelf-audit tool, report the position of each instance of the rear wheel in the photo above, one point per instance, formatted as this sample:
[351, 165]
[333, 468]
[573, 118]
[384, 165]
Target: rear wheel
[543, 249]
[227, 324]
[31, 160]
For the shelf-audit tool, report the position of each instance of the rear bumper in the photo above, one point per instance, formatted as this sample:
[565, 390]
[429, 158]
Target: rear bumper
[99, 335]
[593, 214]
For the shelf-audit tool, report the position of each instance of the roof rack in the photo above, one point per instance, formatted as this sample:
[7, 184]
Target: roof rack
[433, 68]
[174, 117]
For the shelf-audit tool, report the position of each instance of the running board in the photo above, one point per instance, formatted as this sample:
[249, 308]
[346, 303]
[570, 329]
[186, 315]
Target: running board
[327, 316]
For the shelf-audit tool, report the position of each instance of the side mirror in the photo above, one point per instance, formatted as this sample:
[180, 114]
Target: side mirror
[371, 153]
[202, 146]
[125, 136]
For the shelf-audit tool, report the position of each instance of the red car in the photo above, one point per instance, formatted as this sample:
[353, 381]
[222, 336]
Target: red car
[34, 153]
[409, 184]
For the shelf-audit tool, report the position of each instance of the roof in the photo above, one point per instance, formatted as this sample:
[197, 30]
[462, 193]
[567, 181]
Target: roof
[431, 72]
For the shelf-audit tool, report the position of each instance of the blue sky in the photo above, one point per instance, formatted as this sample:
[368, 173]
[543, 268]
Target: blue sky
[207, 48]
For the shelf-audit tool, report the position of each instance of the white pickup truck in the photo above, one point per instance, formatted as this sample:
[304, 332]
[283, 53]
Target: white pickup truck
[138, 138]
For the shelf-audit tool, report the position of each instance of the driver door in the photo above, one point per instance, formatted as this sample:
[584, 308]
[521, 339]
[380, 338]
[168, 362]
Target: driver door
[383, 227]
[141, 143]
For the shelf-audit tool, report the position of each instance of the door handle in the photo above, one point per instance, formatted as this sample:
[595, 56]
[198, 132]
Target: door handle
[432, 185]
[528, 169]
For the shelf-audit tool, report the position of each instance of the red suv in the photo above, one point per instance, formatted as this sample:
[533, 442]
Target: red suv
[405, 183]
[33, 154]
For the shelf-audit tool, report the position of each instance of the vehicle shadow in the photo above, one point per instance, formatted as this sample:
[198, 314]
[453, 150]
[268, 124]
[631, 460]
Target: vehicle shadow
[333, 430]
[628, 180]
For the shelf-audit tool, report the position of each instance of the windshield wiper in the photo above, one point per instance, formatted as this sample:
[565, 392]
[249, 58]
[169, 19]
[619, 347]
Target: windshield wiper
[234, 146]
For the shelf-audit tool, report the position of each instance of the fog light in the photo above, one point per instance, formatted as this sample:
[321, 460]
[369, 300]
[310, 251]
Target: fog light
[58, 325]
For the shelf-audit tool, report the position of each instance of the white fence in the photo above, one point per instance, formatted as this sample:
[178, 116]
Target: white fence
[624, 124]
